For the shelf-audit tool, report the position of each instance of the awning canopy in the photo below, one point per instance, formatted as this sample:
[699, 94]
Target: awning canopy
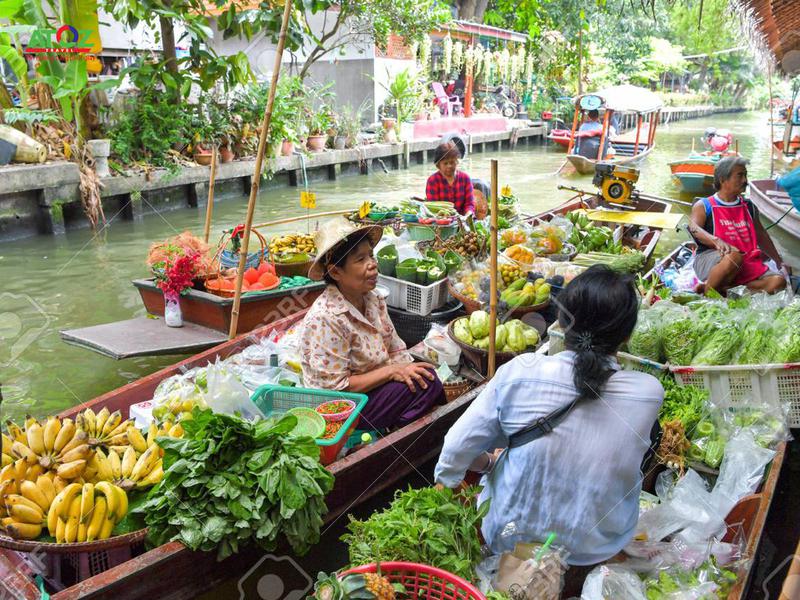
[627, 98]
[774, 29]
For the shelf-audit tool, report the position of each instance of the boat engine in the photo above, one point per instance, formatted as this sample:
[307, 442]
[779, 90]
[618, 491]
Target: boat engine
[616, 182]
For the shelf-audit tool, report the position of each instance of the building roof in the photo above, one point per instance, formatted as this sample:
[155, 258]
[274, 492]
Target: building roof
[471, 29]
[775, 29]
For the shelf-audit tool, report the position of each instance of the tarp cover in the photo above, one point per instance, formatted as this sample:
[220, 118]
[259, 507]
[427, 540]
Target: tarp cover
[628, 98]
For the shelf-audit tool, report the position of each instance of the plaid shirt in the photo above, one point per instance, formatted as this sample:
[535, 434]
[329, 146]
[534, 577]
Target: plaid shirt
[460, 193]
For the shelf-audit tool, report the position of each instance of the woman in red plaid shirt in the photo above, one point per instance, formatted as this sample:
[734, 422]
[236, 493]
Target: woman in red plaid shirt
[449, 184]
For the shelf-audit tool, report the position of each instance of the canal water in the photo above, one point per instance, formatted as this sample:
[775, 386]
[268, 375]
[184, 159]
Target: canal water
[81, 278]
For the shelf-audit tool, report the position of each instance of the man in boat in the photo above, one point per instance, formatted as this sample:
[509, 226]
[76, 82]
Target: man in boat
[348, 342]
[592, 122]
[733, 246]
[448, 183]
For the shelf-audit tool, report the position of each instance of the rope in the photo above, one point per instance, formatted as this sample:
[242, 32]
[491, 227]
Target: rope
[781, 219]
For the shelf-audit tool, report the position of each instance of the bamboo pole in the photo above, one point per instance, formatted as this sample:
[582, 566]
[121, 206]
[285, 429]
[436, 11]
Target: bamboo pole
[254, 185]
[771, 124]
[604, 134]
[330, 213]
[210, 200]
[493, 273]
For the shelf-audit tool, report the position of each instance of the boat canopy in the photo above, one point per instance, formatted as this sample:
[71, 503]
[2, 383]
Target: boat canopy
[621, 98]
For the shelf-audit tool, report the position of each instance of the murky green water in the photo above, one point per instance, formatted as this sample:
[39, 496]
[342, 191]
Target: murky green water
[53, 283]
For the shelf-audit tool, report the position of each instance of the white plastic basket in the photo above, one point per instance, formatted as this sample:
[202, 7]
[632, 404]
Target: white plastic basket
[737, 385]
[414, 298]
[629, 362]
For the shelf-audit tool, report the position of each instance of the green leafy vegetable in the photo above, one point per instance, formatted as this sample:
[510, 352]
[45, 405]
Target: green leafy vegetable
[719, 347]
[646, 338]
[685, 403]
[428, 526]
[228, 482]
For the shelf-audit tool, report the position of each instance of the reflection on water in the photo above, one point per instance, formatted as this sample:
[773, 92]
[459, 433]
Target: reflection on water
[54, 283]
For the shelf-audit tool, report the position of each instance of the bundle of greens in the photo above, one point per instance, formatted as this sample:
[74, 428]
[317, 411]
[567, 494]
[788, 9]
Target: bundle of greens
[686, 404]
[788, 341]
[228, 482]
[759, 341]
[719, 347]
[428, 526]
[706, 581]
[646, 338]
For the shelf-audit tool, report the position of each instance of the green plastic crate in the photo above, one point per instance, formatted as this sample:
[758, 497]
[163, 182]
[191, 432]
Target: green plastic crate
[276, 400]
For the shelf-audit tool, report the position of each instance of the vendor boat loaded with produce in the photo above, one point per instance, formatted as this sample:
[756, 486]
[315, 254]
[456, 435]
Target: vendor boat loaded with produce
[734, 248]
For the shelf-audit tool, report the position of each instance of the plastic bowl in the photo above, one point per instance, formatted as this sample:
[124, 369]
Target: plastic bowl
[410, 218]
[309, 422]
[340, 416]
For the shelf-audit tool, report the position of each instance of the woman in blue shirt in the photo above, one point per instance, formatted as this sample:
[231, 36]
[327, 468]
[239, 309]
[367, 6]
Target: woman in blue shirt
[582, 479]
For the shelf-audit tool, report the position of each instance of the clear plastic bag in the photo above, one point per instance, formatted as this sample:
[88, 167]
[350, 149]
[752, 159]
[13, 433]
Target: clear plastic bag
[680, 332]
[613, 581]
[645, 342]
[227, 395]
[741, 472]
[758, 339]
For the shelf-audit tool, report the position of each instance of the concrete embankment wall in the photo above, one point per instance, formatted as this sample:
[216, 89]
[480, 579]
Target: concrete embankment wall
[45, 199]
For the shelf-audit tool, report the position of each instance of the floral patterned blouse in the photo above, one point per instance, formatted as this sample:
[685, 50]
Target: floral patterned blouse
[338, 341]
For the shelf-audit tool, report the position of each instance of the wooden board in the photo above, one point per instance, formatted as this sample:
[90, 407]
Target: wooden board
[646, 219]
[143, 336]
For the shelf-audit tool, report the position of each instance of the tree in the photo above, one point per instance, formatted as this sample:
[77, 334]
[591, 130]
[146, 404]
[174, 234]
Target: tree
[471, 10]
[357, 21]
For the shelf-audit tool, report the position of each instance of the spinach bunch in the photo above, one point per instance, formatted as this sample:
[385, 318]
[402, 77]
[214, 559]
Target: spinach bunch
[228, 482]
[685, 403]
[428, 526]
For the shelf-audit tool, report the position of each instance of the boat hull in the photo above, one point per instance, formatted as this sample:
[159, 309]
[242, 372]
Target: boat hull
[585, 166]
[560, 137]
[773, 206]
[694, 183]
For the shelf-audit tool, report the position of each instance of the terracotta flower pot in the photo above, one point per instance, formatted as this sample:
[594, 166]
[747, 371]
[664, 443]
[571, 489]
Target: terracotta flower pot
[202, 156]
[316, 143]
[287, 148]
[226, 154]
[388, 124]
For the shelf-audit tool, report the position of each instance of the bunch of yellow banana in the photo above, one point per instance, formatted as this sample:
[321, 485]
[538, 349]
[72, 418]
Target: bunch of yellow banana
[292, 243]
[88, 512]
[26, 507]
[7, 457]
[57, 446]
[104, 428]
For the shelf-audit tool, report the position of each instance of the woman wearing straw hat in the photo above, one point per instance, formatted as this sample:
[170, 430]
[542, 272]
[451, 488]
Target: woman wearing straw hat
[448, 183]
[349, 342]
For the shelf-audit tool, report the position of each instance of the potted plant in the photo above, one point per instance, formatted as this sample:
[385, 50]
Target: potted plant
[318, 124]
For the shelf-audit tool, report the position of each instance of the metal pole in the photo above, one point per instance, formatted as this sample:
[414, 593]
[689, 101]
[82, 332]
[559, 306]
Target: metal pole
[210, 200]
[493, 273]
[254, 185]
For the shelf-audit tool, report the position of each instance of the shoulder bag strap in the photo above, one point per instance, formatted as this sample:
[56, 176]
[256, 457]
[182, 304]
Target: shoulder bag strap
[541, 427]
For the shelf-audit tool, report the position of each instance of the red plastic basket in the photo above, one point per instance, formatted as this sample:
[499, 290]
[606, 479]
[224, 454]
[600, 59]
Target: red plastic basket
[422, 581]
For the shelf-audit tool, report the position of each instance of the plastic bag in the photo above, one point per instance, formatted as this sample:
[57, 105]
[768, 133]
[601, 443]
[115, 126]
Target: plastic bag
[788, 334]
[680, 332]
[741, 471]
[266, 362]
[719, 347]
[180, 393]
[645, 342]
[440, 348]
[758, 339]
[613, 581]
[227, 395]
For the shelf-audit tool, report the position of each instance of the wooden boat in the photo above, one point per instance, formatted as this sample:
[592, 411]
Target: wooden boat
[643, 239]
[773, 203]
[695, 174]
[172, 571]
[562, 137]
[630, 147]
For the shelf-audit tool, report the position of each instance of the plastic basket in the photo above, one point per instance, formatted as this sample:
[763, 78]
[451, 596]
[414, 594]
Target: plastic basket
[422, 581]
[276, 399]
[414, 298]
[739, 385]
[412, 328]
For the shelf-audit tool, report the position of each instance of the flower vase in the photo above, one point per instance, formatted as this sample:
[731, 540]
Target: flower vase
[172, 310]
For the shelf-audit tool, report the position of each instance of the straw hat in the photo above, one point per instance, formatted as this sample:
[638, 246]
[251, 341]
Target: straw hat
[333, 232]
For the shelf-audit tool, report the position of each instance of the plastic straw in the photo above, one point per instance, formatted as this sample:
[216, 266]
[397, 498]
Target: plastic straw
[550, 539]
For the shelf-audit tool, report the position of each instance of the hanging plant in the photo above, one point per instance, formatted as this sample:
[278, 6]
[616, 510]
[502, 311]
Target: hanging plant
[415, 50]
[469, 60]
[503, 60]
[458, 56]
[529, 71]
[425, 53]
[513, 70]
[488, 58]
[447, 54]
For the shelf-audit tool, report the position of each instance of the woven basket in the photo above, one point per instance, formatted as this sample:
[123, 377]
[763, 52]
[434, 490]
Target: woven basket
[230, 260]
[117, 541]
[454, 390]
[477, 357]
[471, 305]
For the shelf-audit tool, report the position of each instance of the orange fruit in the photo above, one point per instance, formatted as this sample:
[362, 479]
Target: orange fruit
[267, 280]
[227, 284]
[266, 267]
[257, 286]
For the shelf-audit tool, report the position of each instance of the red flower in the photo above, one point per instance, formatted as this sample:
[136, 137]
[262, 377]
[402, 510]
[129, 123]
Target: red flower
[179, 273]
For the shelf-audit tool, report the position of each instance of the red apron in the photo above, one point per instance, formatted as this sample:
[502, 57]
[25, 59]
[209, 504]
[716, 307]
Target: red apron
[734, 225]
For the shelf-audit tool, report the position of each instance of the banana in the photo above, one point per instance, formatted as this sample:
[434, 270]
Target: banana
[16, 432]
[122, 503]
[97, 520]
[71, 470]
[11, 500]
[79, 452]
[106, 488]
[137, 440]
[25, 514]
[47, 488]
[78, 439]
[128, 461]
[51, 430]
[88, 420]
[65, 434]
[120, 439]
[176, 430]
[60, 483]
[152, 433]
[33, 472]
[6, 459]
[107, 527]
[6, 446]
[63, 500]
[87, 502]
[71, 529]
[111, 425]
[24, 531]
[35, 437]
[32, 492]
[152, 478]
[81, 532]
[20, 469]
[102, 466]
[144, 464]
[20, 450]
[116, 465]
[100, 420]
[61, 527]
